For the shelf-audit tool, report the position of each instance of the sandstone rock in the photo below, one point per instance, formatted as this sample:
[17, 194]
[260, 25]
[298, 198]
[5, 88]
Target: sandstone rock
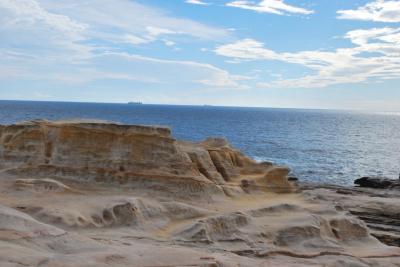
[136, 156]
[84, 194]
[41, 185]
[97, 149]
[18, 225]
[378, 208]
[273, 180]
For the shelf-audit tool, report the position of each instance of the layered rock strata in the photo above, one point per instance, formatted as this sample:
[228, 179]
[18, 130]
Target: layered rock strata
[103, 194]
[129, 155]
[378, 208]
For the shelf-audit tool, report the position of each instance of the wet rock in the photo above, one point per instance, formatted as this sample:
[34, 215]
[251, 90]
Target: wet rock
[377, 182]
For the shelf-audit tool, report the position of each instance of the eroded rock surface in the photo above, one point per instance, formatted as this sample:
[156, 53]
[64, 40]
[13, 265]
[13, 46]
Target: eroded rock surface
[129, 155]
[101, 194]
[378, 208]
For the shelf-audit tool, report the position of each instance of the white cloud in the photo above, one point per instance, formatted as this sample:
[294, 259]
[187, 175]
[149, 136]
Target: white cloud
[29, 13]
[187, 71]
[133, 18]
[135, 40]
[247, 49]
[69, 24]
[169, 43]
[127, 67]
[376, 55]
[81, 42]
[42, 32]
[151, 34]
[270, 6]
[384, 35]
[157, 31]
[380, 11]
[197, 2]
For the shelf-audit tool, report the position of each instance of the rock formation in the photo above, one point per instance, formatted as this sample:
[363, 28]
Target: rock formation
[377, 182]
[378, 208]
[129, 155]
[103, 194]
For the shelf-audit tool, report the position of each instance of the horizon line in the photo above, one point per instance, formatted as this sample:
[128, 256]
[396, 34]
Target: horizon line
[205, 105]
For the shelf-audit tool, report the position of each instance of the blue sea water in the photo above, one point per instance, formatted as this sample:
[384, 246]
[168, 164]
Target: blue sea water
[319, 145]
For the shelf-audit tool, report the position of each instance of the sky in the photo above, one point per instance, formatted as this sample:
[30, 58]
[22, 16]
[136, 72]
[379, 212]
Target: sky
[334, 54]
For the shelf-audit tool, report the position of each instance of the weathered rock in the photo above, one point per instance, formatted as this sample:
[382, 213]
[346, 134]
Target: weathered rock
[139, 156]
[16, 225]
[83, 194]
[98, 150]
[41, 185]
[378, 208]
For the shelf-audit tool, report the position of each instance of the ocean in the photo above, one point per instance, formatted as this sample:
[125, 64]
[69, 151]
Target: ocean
[325, 146]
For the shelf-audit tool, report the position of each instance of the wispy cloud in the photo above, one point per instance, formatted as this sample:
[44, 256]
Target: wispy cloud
[74, 24]
[152, 34]
[187, 71]
[278, 7]
[45, 34]
[81, 42]
[380, 11]
[133, 18]
[376, 55]
[197, 2]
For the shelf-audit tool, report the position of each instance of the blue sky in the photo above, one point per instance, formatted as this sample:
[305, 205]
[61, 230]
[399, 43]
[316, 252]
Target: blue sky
[340, 54]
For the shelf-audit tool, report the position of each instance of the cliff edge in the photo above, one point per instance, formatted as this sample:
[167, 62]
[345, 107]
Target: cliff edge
[131, 155]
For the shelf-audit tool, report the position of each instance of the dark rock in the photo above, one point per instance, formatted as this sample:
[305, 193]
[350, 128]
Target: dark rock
[384, 225]
[377, 182]
[293, 179]
[344, 192]
[245, 183]
[388, 239]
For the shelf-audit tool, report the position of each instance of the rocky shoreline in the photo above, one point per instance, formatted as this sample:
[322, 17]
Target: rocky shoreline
[104, 194]
[377, 207]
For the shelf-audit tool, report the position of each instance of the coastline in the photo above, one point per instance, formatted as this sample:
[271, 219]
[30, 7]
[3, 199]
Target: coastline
[90, 193]
[326, 153]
